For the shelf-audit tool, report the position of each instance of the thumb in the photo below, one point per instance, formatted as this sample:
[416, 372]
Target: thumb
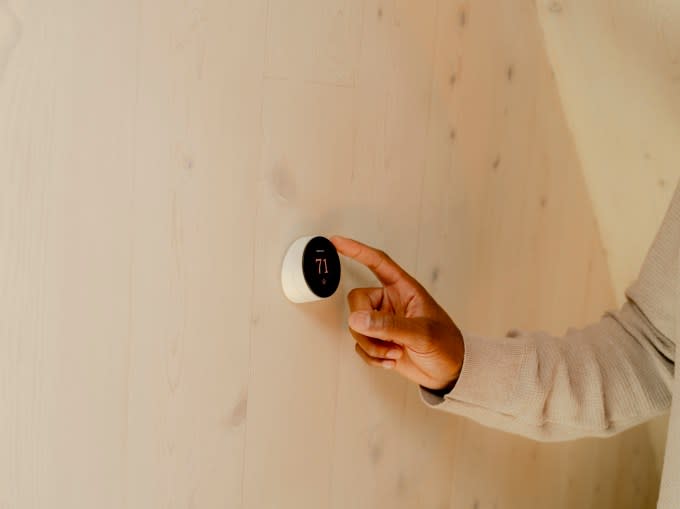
[415, 333]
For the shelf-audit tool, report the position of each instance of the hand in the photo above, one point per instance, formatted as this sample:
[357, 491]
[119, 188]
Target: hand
[400, 325]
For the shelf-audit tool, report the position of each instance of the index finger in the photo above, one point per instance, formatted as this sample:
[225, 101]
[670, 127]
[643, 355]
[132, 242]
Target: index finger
[386, 270]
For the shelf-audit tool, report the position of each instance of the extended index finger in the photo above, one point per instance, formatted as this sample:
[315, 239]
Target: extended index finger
[386, 270]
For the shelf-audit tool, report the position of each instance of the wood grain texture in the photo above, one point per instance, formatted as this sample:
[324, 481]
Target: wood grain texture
[618, 72]
[156, 160]
[509, 204]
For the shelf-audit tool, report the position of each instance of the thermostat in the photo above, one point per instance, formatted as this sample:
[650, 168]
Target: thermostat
[310, 270]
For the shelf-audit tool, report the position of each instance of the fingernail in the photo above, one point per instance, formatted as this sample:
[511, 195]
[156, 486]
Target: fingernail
[387, 364]
[359, 320]
[395, 353]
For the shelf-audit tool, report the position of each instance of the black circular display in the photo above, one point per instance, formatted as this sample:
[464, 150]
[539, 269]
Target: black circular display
[321, 266]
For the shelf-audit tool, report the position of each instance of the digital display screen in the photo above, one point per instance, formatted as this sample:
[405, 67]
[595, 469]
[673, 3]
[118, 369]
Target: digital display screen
[321, 266]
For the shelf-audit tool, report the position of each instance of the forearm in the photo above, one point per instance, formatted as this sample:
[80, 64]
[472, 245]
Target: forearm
[594, 381]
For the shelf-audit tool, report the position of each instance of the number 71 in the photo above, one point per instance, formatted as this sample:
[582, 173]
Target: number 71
[323, 261]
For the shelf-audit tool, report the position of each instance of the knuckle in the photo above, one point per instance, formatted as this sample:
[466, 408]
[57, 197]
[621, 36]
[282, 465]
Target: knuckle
[388, 258]
[377, 321]
[353, 333]
[383, 257]
[375, 265]
[388, 322]
[353, 299]
[373, 321]
[384, 350]
[374, 350]
[366, 345]
[366, 356]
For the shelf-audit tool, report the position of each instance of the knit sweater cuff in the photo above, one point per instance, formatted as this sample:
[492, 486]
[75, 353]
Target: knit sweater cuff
[489, 375]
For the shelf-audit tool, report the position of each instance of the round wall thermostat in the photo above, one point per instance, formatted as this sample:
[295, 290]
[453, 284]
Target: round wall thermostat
[310, 270]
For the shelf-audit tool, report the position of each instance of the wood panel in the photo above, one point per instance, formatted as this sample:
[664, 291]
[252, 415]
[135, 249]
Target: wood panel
[508, 240]
[198, 143]
[618, 72]
[157, 158]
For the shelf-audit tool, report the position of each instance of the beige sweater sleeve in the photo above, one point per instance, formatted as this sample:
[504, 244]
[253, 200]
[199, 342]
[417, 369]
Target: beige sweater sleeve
[594, 381]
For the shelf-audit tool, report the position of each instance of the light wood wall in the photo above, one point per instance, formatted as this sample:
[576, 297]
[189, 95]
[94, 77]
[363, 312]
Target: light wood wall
[156, 159]
[617, 67]
[618, 73]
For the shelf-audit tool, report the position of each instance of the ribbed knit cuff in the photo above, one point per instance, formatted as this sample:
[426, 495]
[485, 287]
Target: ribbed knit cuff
[489, 374]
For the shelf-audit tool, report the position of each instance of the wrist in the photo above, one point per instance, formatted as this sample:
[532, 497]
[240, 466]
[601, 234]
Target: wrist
[448, 387]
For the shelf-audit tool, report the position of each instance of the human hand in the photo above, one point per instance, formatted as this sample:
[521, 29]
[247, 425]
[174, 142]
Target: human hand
[399, 325]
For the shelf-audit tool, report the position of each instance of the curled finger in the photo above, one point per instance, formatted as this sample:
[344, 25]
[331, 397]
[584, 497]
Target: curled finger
[377, 348]
[371, 361]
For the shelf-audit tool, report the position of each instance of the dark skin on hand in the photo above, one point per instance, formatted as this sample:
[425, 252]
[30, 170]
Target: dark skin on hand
[399, 325]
